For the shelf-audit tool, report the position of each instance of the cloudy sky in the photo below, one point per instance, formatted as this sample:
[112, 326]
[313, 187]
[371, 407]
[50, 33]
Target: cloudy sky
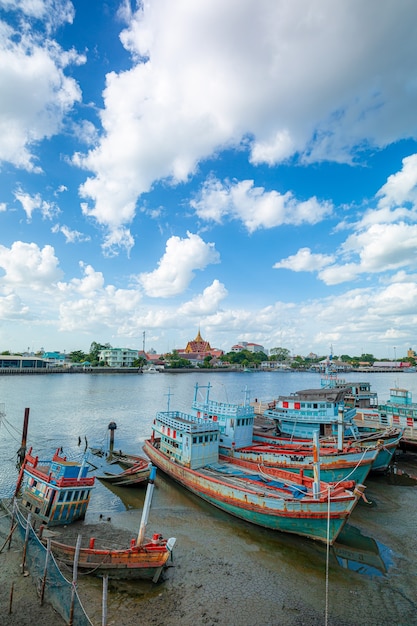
[246, 168]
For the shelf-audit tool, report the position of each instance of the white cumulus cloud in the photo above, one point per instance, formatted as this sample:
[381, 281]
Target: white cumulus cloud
[176, 268]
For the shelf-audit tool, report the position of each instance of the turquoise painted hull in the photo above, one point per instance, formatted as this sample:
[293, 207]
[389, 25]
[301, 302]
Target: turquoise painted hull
[355, 466]
[305, 516]
[380, 463]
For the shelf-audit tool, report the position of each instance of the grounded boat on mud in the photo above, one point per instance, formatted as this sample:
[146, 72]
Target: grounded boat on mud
[296, 417]
[186, 448]
[55, 491]
[142, 559]
[236, 423]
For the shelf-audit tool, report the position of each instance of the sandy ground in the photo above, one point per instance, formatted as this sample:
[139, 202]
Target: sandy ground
[227, 573]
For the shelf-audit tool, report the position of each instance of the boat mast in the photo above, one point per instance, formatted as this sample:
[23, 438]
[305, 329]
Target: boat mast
[316, 464]
[146, 507]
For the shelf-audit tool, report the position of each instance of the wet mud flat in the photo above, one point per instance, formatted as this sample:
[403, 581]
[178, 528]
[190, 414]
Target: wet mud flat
[230, 573]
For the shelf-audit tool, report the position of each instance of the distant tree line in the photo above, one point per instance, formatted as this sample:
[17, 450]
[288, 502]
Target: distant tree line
[244, 358]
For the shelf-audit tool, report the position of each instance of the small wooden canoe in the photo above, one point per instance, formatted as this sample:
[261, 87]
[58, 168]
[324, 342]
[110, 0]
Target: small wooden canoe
[145, 561]
[137, 475]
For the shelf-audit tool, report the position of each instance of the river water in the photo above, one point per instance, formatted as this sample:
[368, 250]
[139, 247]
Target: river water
[374, 568]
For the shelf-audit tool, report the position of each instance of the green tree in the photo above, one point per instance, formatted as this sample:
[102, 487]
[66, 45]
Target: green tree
[95, 349]
[77, 356]
[139, 362]
[280, 354]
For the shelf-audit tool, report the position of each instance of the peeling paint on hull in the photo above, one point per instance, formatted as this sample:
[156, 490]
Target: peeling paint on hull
[307, 516]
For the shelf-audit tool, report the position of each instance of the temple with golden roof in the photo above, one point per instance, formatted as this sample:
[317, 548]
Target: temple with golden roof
[198, 349]
[198, 345]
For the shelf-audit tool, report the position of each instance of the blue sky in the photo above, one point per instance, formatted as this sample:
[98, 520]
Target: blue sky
[246, 168]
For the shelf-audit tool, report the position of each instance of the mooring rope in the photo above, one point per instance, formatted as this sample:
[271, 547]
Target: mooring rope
[326, 613]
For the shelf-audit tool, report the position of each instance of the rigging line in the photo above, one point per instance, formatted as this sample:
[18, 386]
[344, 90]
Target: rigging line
[326, 614]
[4, 421]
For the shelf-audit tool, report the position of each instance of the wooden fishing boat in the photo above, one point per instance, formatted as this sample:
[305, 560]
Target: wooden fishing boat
[144, 558]
[299, 415]
[56, 491]
[236, 444]
[398, 412]
[135, 476]
[186, 448]
[126, 460]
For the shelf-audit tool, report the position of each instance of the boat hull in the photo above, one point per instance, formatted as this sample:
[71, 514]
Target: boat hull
[387, 445]
[353, 466]
[135, 476]
[307, 517]
[133, 563]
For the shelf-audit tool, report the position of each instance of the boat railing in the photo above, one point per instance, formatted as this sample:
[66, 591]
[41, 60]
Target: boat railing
[60, 482]
[224, 408]
[185, 422]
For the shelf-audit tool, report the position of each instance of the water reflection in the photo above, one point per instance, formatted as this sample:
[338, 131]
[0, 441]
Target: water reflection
[360, 553]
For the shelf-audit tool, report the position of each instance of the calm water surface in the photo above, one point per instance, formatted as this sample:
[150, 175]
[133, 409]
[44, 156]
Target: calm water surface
[377, 545]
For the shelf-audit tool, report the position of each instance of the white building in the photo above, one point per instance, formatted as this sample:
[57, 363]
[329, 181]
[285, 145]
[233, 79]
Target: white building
[118, 357]
[251, 347]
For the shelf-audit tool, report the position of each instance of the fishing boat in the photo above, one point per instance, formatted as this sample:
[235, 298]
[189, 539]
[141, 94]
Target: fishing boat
[143, 559]
[135, 476]
[236, 444]
[186, 448]
[299, 415]
[398, 412]
[126, 460]
[56, 491]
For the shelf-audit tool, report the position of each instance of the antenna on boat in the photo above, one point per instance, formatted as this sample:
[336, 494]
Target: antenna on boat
[168, 395]
[197, 387]
[246, 401]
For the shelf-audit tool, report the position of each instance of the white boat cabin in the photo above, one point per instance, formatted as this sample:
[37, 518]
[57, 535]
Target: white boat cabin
[235, 421]
[187, 439]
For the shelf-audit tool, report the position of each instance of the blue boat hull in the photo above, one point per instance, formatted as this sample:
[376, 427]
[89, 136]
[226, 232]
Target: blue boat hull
[307, 517]
[355, 466]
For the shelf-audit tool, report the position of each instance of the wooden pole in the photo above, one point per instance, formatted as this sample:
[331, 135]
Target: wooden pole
[11, 598]
[9, 536]
[104, 601]
[22, 451]
[74, 579]
[45, 570]
[25, 546]
[316, 464]
[146, 507]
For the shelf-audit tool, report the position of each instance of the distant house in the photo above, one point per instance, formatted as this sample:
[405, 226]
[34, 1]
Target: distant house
[391, 365]
[11, 361]
[55, 359]
[245, 345]
[118, 357]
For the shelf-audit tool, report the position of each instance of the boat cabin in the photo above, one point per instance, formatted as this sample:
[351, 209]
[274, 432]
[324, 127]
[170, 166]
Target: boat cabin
[56, 491]
[302, 413]
[187, 439]
[235, 421]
